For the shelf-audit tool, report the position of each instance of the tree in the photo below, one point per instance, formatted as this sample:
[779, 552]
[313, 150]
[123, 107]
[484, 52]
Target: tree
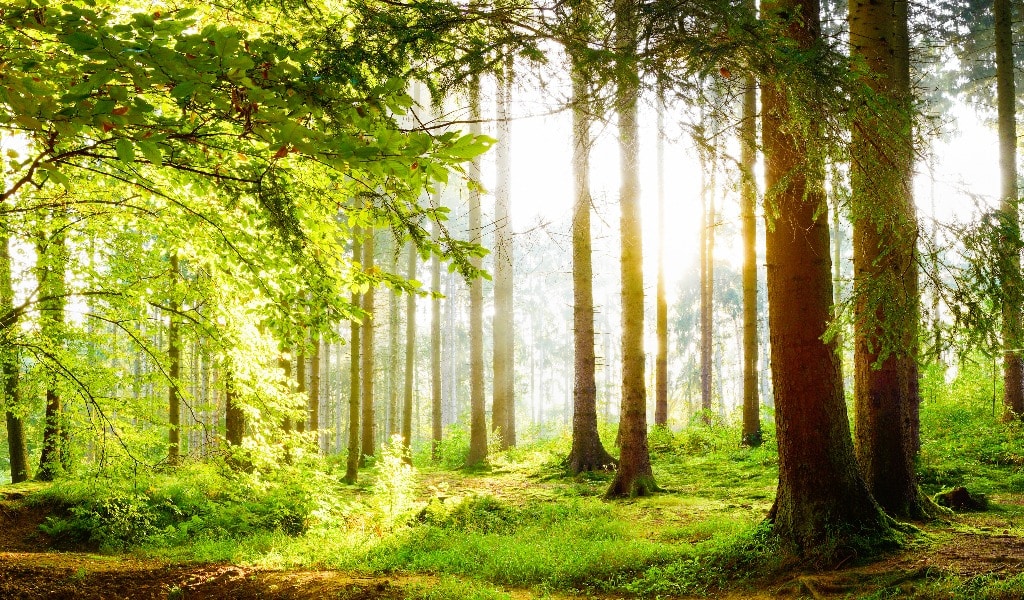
[707, 278]
[661, 302]
[410, 350]
[435, 346]
[885, 266]
[1009, 209]
[821, 493]
[634, 476]
[51, 264]
[17, 445]
[503, 415]
[477, 416]
[587, 453]
[366, 338]
[354, 390]
[174, 366]
[748, 202]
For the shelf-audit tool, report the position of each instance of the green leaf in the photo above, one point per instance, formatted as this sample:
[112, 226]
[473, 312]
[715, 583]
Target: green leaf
[125, 150]
[81, 41]
[152, 153]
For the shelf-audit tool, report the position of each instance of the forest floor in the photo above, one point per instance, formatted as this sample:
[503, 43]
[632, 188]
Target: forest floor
[972, 546]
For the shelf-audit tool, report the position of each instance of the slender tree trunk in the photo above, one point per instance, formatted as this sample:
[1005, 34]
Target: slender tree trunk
[300, 380]
[394, 326]
[822, 496]
[17, 445]
[885, 269]
[1013, 364]
[352, 462]
[366, 338]
[314, 389]
[748, 203]
[634, 476]
[51, 263]
[503, 415]
[661, 302]
[477, 410]
[410, 352]
[587, 453]
[707, 285]
[174, 369]
[435, 346]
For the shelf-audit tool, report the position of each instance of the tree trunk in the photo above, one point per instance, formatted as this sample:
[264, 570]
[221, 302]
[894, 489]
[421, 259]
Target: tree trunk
[51, 263]
[394, 325]
[661, 302]
[707, 284]
[410, 352]
[748, 202]
[314, 390]
[1009, 209]
[477, 406]
[366, 338]
[587, 453]
[300, 380]
[435, 346]
[885, 269]
[174, 369]
[503, 415]
[822, 496]
[634, 476]
[352, 462]
[17, 445]
[234, 421]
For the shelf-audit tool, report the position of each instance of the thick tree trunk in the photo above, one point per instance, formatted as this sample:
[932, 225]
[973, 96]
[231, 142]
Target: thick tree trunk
[51, 263]
[885, 269]
[366, 338]
[634, 476]
[435, 347]
[410, 352]
[587, 453]
[352, 462]
[748, 202]
[174, 370]
[822, 496]
[477, 405]
[661, 302]
[503, 415]
[1009, 267]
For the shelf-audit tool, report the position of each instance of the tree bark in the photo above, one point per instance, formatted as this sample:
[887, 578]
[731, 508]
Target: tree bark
[314, 390]
[51, 264]
[174, 369]
[822, 496]
[352, 462]
[410, 352]
[435, 345]
[300, 380]
[366, 338]
[477, 405]
[17, 445]
[661, 302]
[634, 476]
[587, 453]
[394, 325]
[503, 415]
[707, 284]
[1009, 209]
[748, 202]
[885, 268]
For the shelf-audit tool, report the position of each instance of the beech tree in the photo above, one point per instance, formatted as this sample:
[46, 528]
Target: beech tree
[477, 417]
[503, 415]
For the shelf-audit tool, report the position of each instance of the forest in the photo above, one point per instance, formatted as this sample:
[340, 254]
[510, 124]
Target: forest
[507, 299]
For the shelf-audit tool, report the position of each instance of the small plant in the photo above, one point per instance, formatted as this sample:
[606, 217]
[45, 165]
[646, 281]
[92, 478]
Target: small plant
[395, 486]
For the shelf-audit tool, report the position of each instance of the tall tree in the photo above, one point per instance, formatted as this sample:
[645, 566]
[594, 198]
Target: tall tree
[301, 372]
[477, 405]
[174, 366]
[707, 279]
[51, 264]
[354, 390]
[661, 301]
[410, 349]
[314, 388]
[503, 415]
[634, 476]
[366, 339]
[1009, 213]
[885, 267]
[587, 453]
[17, 445]
[435, 344]
[748, 203]
[821, 493]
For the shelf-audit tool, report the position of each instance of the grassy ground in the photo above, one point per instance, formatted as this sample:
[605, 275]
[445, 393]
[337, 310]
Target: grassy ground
[523, 524]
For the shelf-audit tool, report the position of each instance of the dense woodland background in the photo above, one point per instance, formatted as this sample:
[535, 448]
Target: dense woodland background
[276, 252]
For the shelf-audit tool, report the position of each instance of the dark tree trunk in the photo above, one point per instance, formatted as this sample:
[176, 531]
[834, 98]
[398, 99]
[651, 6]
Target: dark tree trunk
[503, 414]
[352, 463]
[587, 453]
[748, 201]
[822, 496]
[52, 259]
[634, 476]
[1009, 209]
[17, 445]
[477, 403]
[234, 422]
[366, 338]
[885, 269]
